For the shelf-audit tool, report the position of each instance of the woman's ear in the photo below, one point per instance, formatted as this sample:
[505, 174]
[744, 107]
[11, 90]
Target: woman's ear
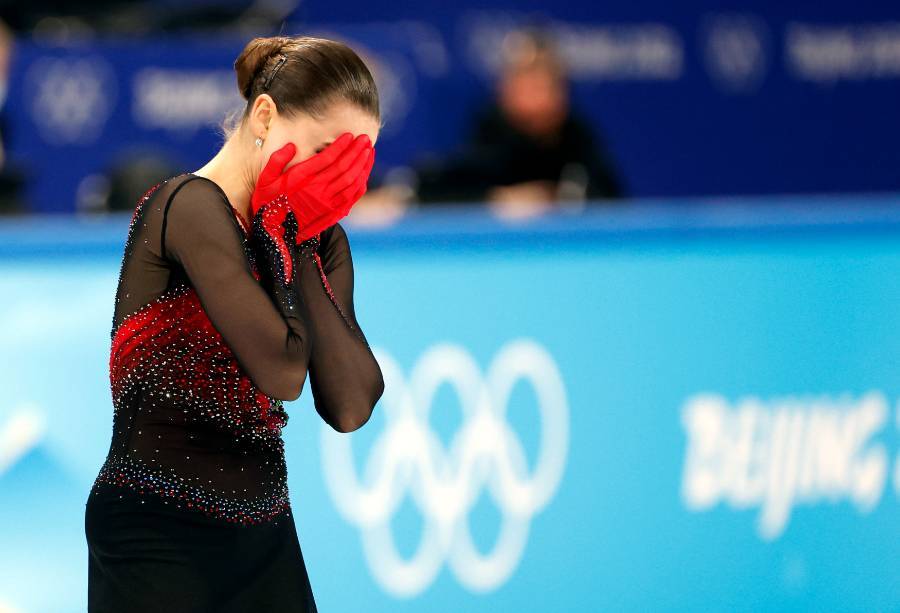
[261, 115]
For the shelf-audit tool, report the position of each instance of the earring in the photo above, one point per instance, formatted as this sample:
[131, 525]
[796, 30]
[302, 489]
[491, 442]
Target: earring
[259, 141]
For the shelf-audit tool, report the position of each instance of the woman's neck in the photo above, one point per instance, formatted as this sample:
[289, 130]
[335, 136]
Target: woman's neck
[230, 171]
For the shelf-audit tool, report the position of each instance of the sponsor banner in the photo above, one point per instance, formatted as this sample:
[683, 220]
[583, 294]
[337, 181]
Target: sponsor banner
[696, 102]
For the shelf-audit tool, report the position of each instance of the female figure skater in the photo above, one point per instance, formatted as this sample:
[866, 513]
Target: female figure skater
[236, 281]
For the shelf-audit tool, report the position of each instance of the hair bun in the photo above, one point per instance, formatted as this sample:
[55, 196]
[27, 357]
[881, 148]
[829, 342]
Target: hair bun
[253, 58]
[302, 74]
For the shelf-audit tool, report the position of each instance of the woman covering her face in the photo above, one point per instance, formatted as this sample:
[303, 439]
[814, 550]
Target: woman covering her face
[236, 282]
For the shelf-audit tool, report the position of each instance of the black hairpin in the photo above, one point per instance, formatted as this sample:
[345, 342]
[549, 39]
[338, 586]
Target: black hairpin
[275, 70]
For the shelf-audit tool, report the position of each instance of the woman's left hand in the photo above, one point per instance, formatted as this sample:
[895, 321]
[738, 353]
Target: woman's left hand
[321, 189]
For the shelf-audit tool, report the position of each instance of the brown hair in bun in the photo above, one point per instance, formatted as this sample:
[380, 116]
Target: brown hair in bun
[252, 58]
[306, 74]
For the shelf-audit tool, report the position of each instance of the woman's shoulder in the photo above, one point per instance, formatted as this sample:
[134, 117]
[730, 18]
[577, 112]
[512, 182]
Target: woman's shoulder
[195, 195]
[195, 209]
[335, 238]
[334, 232]
[178, 187]
[196, 185]
[334, 246]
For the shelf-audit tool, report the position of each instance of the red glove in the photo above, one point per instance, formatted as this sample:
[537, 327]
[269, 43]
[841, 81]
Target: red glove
[320, 190]
[350, 185]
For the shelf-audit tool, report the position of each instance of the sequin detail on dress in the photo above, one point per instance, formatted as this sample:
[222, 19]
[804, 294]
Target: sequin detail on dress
[171, 348]
[169, 365]
[132, 473]
[205, 344]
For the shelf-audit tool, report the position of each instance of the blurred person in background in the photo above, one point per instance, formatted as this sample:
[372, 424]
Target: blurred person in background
[235, 284]
[12, 176]
[528, 152]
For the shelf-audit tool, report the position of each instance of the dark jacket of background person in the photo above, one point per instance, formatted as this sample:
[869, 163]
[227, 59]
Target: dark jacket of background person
[499, 154]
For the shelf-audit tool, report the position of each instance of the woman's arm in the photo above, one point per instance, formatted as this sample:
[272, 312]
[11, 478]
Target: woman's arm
[345, 377]
[269, 335]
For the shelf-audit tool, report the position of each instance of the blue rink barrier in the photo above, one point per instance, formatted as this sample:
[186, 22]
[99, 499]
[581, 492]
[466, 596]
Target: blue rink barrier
[666, 406]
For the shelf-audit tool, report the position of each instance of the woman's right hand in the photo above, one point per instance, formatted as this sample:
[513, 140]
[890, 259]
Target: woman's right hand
[319, 190]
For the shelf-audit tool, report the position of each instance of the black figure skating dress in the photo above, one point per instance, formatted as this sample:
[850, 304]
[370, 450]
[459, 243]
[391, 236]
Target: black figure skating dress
[190, 510]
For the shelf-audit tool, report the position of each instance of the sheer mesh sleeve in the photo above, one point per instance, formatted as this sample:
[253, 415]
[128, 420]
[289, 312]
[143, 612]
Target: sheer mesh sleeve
[271, 343]
[345, 377]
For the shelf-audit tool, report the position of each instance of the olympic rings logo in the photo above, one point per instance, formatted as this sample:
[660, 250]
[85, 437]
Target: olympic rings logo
[445, 483]
[70, 98]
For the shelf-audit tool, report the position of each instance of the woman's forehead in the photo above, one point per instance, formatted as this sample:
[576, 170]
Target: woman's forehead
[348, 118]
[321, 131]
